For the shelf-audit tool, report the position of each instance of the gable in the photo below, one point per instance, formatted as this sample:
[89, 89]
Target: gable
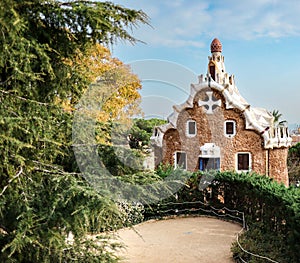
[205, 95]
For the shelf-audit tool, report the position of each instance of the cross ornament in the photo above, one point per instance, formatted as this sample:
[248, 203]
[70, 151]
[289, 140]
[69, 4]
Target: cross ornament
[209, 103]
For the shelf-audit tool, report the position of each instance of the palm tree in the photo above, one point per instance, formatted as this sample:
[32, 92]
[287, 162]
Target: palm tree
[277, 116]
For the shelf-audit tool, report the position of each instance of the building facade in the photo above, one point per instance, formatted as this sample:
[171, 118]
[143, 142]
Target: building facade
[217, 129]
[295, 135]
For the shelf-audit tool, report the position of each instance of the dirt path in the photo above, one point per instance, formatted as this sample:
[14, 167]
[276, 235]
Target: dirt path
[180, 240]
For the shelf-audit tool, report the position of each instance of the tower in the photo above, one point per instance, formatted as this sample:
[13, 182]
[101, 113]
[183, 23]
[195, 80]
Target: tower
[216, 67]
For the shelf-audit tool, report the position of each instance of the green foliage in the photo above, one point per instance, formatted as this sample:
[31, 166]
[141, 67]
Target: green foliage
[263, 243]
[141, 132]
[293, 163]
[42, 196]
[270, 208]
[120, 161]
[38, 35]
[164, 170]
[39, 219]
[272, 211]
[277, 116]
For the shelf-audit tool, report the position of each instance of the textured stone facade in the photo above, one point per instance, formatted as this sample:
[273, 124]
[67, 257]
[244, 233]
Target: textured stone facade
[251, 140]
[278, 165]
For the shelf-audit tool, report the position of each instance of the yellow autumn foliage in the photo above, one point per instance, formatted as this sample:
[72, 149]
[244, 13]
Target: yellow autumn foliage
[116, 86]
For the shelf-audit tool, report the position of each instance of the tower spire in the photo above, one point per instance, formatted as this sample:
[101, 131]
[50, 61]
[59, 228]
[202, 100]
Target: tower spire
[216, 67]
[216, 46]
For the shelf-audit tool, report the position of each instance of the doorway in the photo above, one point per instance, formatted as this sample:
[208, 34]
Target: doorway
[209, 164]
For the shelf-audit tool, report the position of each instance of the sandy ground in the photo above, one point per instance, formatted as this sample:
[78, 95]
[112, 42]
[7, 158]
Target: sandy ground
[182, 240]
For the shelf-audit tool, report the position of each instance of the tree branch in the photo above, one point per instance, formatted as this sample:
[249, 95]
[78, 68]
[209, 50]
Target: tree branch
[52, 169]
[24, 99]
[11, 180]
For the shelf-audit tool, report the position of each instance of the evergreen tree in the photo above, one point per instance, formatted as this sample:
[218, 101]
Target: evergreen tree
[42, 196]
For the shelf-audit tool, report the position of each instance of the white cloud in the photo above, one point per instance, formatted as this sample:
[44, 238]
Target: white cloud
[257, 18]
[182, 23]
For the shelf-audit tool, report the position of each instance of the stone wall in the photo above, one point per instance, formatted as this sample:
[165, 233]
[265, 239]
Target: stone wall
[278, 165]
[210, 129]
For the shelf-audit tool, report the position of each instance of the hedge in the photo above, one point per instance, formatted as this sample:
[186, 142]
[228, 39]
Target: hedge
[272, 211]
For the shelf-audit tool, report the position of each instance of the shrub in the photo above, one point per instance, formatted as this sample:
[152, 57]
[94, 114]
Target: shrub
[132, 213]
[271, 210]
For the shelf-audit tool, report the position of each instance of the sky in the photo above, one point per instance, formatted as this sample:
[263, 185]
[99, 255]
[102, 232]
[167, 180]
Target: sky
[261, 46]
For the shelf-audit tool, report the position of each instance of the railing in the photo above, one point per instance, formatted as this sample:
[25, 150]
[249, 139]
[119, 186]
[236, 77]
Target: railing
[188, 208]
[279, 136]
[249, 253]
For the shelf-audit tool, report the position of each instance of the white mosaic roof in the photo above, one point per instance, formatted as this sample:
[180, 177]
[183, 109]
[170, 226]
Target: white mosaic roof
[257, 119]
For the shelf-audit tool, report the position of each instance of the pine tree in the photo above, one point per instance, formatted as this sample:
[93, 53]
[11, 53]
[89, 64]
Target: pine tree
[43, 197]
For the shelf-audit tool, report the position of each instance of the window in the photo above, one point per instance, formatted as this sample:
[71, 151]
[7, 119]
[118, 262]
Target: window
[212, 71]
[209, 164]
[180, 160]
[229, 128]
[191, 128]
[243, 161]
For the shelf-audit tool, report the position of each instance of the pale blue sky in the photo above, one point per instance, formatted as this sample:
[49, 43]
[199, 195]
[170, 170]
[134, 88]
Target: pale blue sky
[261, 45]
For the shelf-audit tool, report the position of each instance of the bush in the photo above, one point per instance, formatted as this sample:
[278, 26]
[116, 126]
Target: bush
[141, 132]
[272, 211]
[263, 243]
[120, 160]
[132, 213]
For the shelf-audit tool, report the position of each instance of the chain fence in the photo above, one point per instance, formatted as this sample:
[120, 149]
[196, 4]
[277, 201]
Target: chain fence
[198, 207]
